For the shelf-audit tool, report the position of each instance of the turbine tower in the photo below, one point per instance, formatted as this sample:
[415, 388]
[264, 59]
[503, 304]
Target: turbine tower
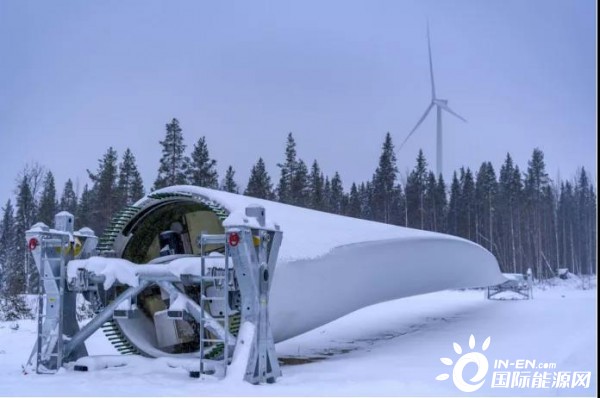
[440, 104]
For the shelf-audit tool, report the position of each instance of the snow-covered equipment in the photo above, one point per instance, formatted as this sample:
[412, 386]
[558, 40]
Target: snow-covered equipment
[563, 273]
[188, 272]
[57, 308]
[522, 284]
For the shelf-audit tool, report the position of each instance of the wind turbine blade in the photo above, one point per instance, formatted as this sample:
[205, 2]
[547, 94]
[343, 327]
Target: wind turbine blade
[447, 109]
[417, 125]
[430, 64]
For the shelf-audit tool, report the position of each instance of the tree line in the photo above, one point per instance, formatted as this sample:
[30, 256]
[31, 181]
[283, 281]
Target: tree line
[523, 217]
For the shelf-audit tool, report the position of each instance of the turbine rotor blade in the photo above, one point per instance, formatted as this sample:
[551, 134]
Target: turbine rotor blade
[447, 109]
[417, 125]
[430, 64]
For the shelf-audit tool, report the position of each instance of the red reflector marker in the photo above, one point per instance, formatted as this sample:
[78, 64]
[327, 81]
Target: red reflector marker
[234, 239]
[33, 243]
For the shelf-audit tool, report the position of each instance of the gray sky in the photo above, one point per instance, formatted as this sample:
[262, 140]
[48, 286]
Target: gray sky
[77, 77]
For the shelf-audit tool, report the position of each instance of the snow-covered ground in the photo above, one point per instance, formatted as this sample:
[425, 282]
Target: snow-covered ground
[392, 348]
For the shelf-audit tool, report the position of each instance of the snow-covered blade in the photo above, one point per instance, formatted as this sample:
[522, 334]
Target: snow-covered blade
[332, 265]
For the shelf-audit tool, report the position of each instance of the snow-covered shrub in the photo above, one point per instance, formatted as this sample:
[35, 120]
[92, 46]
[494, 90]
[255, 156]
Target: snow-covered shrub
[13, 308]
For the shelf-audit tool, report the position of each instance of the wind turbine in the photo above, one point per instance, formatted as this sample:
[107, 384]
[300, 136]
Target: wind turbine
[440, 104]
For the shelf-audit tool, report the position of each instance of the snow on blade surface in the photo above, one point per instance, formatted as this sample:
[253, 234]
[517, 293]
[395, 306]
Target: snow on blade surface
[307, 233]
[309, 293]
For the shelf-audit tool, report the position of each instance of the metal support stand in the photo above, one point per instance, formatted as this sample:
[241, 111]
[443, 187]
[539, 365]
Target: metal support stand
[52, 249]
[48, 349]
[522, 284]
[254, 253]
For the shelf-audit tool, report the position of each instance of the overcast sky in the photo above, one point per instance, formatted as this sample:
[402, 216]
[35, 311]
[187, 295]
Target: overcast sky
[77, 77]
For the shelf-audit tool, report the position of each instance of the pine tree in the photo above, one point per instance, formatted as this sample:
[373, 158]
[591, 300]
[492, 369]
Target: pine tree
[105, 194]
[536, 180]
[316, 186]
[130, 187]
[202, 169]
[259, 183]
[485, 197]
[519, 210]
[592, 220]
[173, 163]
[467, 217]
[336, 199]
[435, 203]
[550, 227]
[454, 206]
[48, 204]
[299, 188]
[365, 192]
[441, 201]
[345, 202]
[564, 216]
[415, 191]
[229, 184]
[23, 274]
[429, 202]
[354, 208]
[384, 181]
[509, 193]
[288, 170]
[68, 199]
[398, 212]
[85, 208]
[568, 228]
[12, 272]
[592, 212]
[327, 195]
[583, 201]
[7, 249]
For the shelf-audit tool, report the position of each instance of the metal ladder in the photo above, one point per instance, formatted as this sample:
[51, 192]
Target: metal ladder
[48, 349]
[220, 284]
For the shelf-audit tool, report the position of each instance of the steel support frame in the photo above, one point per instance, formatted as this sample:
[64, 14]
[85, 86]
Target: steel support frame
[254, 253]
[523, 288]
[254, 258]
